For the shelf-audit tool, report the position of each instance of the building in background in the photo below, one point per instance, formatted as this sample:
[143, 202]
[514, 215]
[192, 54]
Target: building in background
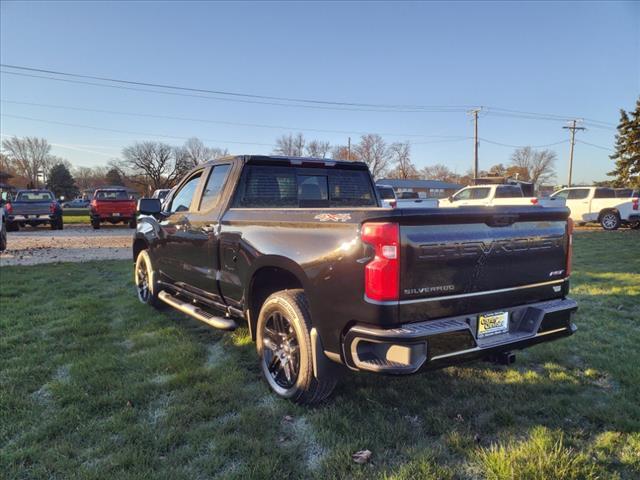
[424, 188]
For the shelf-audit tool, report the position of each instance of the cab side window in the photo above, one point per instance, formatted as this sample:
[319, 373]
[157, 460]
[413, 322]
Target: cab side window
[182, 199]
[212, 189]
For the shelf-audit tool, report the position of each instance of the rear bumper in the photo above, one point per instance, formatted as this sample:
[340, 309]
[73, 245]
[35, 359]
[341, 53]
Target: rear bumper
[634, 217]
[448, 341]
[112, 218]
[42, 218]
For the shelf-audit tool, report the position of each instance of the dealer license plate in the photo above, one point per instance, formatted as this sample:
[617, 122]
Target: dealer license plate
[492, 323]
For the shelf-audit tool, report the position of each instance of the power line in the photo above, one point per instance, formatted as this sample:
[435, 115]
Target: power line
[594, 145]
[236, 94]
[220, 122]
[291, 101]
[129, 132]
[522, 146]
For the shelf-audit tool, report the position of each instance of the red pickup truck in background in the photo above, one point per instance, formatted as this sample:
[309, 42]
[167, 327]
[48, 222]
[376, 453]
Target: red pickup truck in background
[113, 206]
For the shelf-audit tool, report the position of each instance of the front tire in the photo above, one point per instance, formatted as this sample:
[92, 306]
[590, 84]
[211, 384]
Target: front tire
[284, 348]
[145, 280]
[610, 221]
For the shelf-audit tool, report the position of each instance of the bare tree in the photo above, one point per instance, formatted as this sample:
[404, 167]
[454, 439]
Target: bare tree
[373, 151]
[318, 149]
[401, 156]
[29, 156]
[154, 164]
[194, 152]
[439, 172]
[341, 152]
[290, 145]
[539, 165]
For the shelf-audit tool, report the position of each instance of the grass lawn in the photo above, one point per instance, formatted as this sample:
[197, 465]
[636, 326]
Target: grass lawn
[76, 219]
[95, 385]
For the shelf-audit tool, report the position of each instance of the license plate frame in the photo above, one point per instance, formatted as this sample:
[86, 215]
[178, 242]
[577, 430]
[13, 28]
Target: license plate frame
[493, 323]
[116, 214]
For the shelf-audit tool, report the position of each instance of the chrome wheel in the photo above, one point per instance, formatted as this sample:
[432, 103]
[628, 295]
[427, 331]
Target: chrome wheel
[610, 221]
[142, 279]
[280, 353]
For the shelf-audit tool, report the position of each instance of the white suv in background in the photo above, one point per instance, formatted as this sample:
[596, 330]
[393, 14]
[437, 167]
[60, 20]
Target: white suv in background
[607, 206]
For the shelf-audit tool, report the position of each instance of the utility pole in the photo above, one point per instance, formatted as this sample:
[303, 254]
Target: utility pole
[573, 129]
[475, 112]
[349, 149]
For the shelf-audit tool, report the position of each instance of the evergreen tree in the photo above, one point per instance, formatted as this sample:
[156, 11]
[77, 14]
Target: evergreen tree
[627, 156]
[113, 177]
[61, 182]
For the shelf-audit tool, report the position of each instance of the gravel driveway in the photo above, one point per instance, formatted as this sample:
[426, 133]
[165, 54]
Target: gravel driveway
[76, 243]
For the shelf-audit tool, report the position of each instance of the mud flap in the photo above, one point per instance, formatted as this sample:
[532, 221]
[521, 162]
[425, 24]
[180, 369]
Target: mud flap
[323, 367]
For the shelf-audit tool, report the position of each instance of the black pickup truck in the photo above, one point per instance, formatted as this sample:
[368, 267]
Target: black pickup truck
[301, 251]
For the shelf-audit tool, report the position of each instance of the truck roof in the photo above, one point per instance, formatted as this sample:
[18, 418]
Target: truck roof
[285, 160]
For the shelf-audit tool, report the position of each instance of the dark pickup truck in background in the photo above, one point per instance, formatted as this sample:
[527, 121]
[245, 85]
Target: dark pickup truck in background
[33, 207]
[325, 278]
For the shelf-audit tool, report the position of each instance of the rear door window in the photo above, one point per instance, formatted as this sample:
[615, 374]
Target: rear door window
[578, 194]
[508, 191]
[604, 193]
[212, 189]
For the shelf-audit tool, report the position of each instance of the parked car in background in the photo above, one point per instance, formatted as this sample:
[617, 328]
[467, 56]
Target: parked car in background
[601, 204]
[33, 207]
[301, 251]
[492, 195]
[76, 203]
[114, 206]
[3, 230]
[387, 196]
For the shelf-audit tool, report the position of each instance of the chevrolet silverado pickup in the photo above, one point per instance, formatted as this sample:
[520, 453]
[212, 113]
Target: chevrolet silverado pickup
[302, 252]
[33, 207]
[493, 195]
[601, 204]
[112, 205]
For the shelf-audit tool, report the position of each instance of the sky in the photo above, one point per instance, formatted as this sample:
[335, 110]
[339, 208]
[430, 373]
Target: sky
[563, 60]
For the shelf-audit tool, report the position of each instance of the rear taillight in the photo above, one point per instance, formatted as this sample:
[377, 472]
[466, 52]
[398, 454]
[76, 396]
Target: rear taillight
[393, 203]
[52, 207]
[534, 201]
[382, 274]
[570, 245]
[634, 202]
[93, 203]
[8, 208]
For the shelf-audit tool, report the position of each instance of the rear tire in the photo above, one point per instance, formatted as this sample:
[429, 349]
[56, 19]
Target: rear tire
[95, 224]
[132, 223]
[13, 226]
[3, 237]
[610, 221]
[145, 281]
[284, 347]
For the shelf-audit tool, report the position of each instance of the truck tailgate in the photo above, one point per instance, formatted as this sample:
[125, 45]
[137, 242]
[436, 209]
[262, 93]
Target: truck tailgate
[471, 259]
[108, 207]
[31, 208]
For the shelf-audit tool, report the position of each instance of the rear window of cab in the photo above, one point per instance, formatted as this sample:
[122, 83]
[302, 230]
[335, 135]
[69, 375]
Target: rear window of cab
[271, 186]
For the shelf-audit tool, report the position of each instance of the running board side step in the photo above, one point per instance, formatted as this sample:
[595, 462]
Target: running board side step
[197, 313]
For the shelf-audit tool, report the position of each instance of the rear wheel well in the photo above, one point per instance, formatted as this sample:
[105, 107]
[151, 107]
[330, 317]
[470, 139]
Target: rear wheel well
[607, 210]
[138, 245]
[266, 281]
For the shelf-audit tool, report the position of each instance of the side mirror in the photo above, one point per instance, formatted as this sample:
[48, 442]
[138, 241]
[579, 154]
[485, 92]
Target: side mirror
[450, 198]
[149, 206]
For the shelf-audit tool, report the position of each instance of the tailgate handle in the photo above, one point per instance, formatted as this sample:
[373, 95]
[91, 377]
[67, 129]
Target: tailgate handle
[502, 220]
